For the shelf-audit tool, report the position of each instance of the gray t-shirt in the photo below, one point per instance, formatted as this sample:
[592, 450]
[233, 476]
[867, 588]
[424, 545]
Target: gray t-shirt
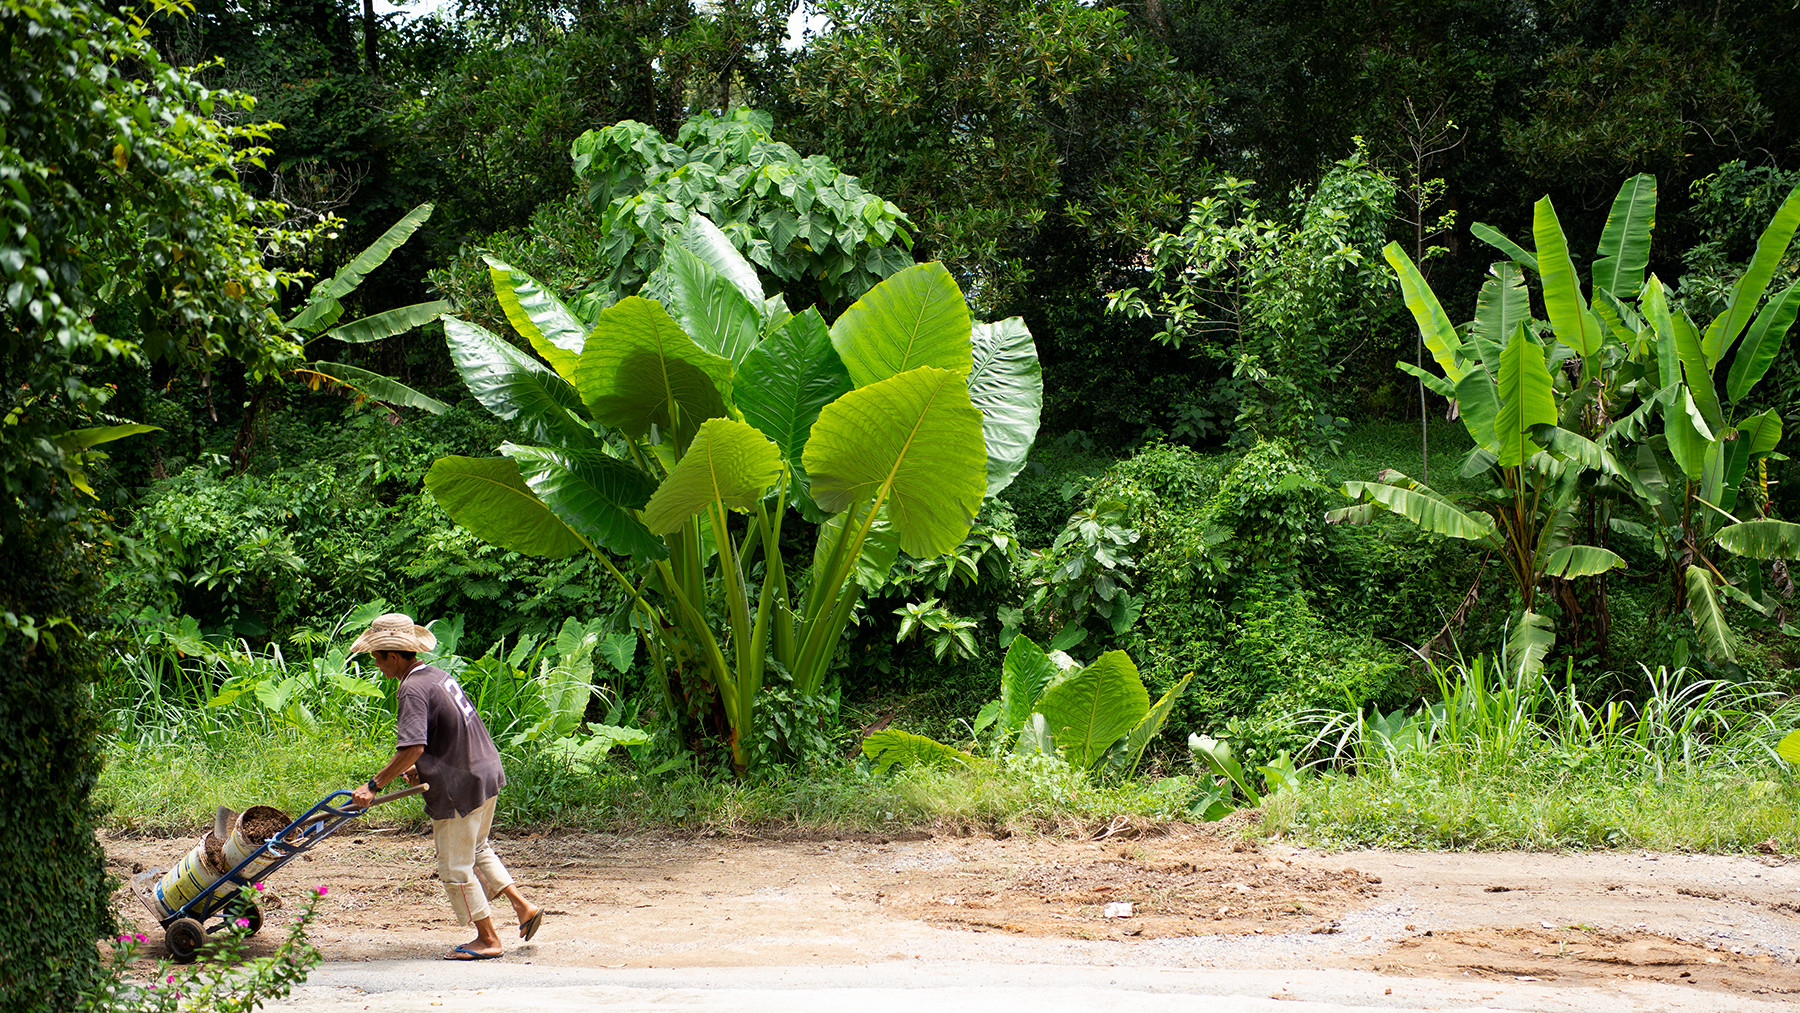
[460, 762]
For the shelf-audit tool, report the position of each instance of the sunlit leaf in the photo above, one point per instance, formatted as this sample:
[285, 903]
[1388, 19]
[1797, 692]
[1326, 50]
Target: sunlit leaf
[728, 463]
[639, 369]
[1006, 385]
[491, 499]
[1434, 325]
[917, 317]
[912, 442]
[1089, 710]
[1624, 250]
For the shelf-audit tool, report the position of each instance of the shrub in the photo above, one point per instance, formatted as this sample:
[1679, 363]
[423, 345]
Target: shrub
[1232, 560]
[55, 902]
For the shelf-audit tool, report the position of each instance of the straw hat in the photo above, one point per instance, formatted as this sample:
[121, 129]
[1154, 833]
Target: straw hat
[394, 632]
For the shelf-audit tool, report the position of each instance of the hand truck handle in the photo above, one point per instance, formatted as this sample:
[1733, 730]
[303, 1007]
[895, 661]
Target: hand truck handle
[396, 795]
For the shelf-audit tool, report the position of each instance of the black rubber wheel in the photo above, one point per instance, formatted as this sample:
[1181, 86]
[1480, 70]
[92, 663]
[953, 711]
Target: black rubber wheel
[183, 937]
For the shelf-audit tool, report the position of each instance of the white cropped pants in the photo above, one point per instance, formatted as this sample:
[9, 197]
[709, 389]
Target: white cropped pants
[470, 871]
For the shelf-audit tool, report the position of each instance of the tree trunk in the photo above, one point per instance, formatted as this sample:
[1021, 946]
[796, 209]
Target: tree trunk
[371, 29]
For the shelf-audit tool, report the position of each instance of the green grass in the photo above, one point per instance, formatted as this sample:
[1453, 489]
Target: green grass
[175, 789]
[1521, 762]
[1539, 809]
[171, 790]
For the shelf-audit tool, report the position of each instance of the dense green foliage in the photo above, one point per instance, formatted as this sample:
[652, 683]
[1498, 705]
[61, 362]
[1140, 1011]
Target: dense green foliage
[59, 904]
[1596, 449]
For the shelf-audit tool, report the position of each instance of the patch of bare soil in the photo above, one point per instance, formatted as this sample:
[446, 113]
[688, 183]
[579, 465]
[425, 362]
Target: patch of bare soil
[1708, 922]
[1523, 954]
[1148, 889]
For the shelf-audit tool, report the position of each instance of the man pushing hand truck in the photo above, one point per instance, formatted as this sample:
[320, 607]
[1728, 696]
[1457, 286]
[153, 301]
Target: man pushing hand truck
[440, 740]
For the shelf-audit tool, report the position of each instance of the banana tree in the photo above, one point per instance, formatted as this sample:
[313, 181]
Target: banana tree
[324, 307]
[1621, 361]
[1522, 410]
[680, 435]
[1691, 480]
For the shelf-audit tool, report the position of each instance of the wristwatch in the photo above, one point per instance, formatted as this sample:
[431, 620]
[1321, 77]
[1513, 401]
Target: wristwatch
[374, 789]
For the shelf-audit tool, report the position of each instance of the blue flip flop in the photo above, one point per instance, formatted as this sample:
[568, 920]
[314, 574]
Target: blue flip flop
[472, 955]
[529, 926]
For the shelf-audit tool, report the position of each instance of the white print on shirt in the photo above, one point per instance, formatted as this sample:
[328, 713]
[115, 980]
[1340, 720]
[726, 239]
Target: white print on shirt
[456, 694]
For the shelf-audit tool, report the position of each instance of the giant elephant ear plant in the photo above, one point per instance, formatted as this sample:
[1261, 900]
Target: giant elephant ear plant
[647, 431]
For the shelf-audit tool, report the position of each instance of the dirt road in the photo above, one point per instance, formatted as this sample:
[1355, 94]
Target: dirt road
[974, 922]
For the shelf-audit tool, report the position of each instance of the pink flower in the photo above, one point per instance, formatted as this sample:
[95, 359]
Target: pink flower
[321, 889]
[243, 923]
[140, 938]
[171, 979]
[259, 888]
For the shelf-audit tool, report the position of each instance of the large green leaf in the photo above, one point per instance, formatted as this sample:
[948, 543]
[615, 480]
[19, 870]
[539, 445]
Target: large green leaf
[1530, 640]
[1563, 301]
[639, 369]
[1527, 397]
[375, 387]
[783, 382]
[1089, 710]
[1709, 618]
[1687, 434]
[1023, 676]
[1697, 371]
[389, 323]
[1502, 306]
[728, 463]
[1493, 237]
[1479, 400]
[1146, 729]
[77, 440]
[1583, 451]
[1434, 324]
[1007, 387]
[913, 442]
[593, 493]
[1761, 539]
[1572, 561]
[352, 274]
[710, 308]
[1433, 382]
[1424, 508]
[515, 386]
[489, 497]
[1618, 316]
[1762, 342]
[917, 317]
[553, 330]
[892, 747]
[1771, 246]
[1624, 250]
[1655, 304]
[702, 238]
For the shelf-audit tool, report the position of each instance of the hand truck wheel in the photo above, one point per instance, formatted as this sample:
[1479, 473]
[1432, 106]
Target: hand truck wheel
[183, 938]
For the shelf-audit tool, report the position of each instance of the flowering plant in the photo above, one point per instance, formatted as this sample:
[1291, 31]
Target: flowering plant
[223, 979]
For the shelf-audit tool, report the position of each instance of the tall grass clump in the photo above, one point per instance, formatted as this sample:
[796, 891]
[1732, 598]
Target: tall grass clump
[1522, 761]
